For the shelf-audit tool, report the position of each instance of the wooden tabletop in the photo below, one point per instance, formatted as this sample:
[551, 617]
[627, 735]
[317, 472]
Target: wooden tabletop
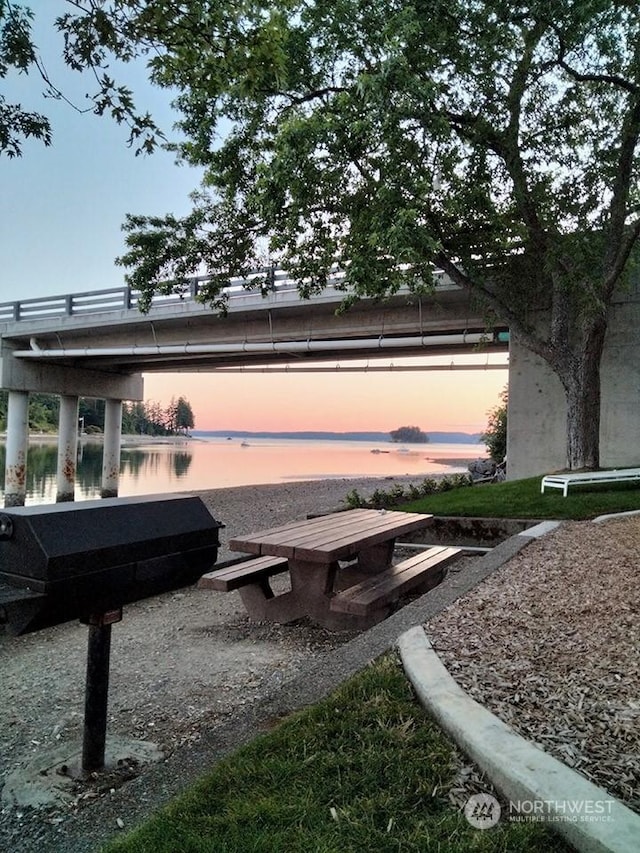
[337, 536]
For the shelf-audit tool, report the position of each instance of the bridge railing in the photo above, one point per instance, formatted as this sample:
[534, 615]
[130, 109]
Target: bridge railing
[127, 299]
[239, 291]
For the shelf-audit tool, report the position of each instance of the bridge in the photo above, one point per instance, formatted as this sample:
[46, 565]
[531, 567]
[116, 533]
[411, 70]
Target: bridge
[105, 330]
[98, 344]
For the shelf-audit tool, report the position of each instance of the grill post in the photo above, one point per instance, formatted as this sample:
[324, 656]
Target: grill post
[97, 690]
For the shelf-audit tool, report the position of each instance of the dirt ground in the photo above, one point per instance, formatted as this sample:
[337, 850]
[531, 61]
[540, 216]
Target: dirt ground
[178, 661]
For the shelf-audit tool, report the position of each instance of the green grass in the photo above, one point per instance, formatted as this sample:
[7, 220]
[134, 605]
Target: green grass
[369, 753]
[522, 499]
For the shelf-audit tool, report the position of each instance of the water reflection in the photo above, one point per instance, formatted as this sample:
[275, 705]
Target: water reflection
[136, 464]
[156, 468]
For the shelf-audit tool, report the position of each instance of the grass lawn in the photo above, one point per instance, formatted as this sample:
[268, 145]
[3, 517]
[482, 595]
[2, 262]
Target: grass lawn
[522, 499]
[364, 770]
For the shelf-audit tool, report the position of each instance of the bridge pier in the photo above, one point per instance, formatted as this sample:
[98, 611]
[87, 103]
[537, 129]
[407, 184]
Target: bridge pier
[20, 377]
[67, 449]
[15, 474]
[111, 448]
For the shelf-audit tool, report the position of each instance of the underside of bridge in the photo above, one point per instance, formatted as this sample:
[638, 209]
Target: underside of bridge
[193, 337]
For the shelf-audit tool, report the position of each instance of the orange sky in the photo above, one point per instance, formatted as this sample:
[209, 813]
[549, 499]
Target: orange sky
[435, 400]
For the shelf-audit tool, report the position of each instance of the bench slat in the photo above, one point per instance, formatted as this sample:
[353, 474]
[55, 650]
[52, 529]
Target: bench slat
[241, 574]
[389, 585]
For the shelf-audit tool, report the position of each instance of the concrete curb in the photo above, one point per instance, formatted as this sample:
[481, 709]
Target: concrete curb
[519, 770]
[615, 515]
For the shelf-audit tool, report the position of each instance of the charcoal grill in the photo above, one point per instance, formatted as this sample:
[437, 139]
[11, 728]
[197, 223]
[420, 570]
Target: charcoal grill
[87, 560]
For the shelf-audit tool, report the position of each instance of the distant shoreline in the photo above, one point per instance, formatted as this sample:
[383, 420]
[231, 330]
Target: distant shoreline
[433, 437]
[131, 439]
[97, 438]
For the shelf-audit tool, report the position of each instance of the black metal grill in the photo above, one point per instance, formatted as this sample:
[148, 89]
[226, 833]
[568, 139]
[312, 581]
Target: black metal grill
[71, 560]
[85, 561]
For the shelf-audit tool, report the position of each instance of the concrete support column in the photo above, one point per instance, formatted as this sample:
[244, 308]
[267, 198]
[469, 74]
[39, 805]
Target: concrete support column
[15, 474]
[67, 449]
[111, 454]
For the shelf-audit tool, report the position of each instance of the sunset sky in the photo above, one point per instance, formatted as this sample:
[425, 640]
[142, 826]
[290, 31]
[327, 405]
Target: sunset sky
[448, 400]
[60, 232]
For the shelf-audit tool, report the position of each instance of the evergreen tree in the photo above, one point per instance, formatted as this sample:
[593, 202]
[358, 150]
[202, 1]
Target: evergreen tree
[184, 415]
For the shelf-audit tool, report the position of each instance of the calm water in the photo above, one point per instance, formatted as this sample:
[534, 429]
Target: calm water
[217, 463]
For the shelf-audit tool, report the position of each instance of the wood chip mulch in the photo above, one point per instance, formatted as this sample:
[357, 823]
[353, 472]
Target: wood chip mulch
[550, 643]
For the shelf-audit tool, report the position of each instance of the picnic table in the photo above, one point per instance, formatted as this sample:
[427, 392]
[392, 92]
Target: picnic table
[339, 566]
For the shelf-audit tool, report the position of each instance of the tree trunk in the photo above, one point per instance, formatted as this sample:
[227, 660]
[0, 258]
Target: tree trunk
[583, 424]
[582, 388]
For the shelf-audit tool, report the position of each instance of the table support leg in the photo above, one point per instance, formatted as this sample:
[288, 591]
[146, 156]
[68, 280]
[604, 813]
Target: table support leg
[377, 558]
[261, 603]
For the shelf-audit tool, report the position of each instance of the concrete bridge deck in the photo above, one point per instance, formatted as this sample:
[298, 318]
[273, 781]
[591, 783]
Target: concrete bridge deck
[106, 331]
[98, 344]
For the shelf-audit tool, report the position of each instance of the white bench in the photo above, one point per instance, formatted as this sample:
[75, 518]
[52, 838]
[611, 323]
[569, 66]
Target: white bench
[563, 481]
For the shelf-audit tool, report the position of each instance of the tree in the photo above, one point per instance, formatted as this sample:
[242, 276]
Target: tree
[156, 418]
[184, 420]
[409, 434]
[43, 411]
[495, 435]
[150, 418]
[179, 416]
[17, 52]
[134, 418]
[92, 412]
[82, 52]
[495, 140]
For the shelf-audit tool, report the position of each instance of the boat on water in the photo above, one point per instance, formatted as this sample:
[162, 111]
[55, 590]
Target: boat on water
[244, 444]
[375, 450]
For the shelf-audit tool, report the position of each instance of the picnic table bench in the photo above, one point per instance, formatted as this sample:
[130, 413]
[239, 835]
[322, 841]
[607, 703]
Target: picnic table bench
[339, 566]
[563, 481]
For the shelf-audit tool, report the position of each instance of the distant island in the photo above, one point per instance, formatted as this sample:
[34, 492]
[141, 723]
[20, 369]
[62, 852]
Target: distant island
[411, 434]
[433, 437]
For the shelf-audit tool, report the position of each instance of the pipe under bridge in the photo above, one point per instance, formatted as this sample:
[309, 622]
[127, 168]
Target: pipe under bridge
[98, 343]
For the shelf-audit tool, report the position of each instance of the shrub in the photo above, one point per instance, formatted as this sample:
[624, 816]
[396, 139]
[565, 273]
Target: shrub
[495, 435]
[398, 495]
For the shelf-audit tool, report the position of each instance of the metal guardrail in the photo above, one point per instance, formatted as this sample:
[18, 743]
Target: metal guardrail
[127, 299]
